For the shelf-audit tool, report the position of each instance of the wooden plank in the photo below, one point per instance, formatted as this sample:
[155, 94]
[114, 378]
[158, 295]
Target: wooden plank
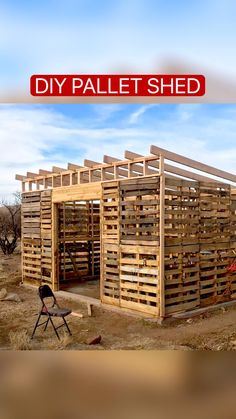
[107, 168]
[58, 170]
[135, 167]
[72, 166]
[170, 169]
[162, 240]
[55, 256]
[20, 177]
[83, 192]
[177, 158]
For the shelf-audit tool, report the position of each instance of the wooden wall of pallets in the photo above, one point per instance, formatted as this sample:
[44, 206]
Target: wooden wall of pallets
[37, 237]
[130, 244]
[199, 244]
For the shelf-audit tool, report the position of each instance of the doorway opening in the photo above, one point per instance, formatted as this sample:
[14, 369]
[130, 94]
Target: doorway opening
[79, 247]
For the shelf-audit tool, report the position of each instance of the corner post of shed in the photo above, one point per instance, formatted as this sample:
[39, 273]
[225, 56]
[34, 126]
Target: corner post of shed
[162, 239]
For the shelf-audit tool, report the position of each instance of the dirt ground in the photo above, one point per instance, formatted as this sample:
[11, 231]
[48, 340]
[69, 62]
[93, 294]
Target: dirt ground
[209, 331]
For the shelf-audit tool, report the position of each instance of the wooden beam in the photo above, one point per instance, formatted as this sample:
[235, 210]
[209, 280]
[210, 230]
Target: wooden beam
[173, 169]
[194, 164]
[21, 178]
[55, 252]
[130, 155]
[82, 192]
[125, 170]
[43, 172]
[72, 166]
[31, 180]
[162, 240]
[109, 159]
[31, 175]
[95, 165]
[108, 169]
[59, 170]
[90, 163]
[135, 167]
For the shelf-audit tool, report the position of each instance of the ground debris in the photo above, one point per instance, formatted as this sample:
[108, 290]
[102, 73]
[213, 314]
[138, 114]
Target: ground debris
[11, 296]
[94, 341]
[90, 309]
[76, 314]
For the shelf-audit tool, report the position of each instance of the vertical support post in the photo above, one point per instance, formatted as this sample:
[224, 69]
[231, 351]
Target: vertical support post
[145, 168]
[162, 239]
[64, 241]
[22, 238]
[115, 172]
[92, 235]
[119, 216]
[129, 169]
[101, 213]
[55, 260]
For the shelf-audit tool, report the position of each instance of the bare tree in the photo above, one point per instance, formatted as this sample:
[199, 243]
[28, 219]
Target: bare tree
[10, 224]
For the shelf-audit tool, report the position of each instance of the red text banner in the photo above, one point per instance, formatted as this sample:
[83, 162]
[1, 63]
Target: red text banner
[117, 85]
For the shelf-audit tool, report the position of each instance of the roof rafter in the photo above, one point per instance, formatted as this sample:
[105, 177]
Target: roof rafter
[173, 169]
[194, 164]
[133, 165]
[59, 170]
[44, 172]
[107, 168]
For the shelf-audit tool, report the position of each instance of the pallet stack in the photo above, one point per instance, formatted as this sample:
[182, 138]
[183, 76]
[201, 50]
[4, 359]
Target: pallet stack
[36, 237]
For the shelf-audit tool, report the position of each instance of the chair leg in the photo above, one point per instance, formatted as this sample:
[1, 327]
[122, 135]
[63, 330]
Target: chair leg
[46, 325]
[67, 326]
[36, 324]
[54, 327]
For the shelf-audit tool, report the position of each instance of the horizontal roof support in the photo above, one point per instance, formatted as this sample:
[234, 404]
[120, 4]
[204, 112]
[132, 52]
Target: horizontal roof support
[133, 165]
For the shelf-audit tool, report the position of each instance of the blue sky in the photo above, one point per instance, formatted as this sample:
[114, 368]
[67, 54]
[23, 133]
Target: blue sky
[40, 136]
[105, 36]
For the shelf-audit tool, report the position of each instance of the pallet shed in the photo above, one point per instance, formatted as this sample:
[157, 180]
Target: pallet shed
[159, 231]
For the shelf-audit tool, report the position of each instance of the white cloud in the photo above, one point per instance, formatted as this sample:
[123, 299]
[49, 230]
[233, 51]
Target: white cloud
[104, 112]
[135, 116]
[39, 136]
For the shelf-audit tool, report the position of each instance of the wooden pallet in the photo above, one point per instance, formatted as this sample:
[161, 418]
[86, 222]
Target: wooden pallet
[36, 237]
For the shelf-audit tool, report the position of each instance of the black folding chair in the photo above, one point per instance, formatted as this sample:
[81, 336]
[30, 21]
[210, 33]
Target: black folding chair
[53, 311]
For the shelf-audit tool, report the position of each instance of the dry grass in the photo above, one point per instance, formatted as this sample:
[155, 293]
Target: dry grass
[64, 342]
[20, 341]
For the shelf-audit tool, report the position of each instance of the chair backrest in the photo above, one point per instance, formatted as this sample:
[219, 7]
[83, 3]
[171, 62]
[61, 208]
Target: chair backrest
[45, 292]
